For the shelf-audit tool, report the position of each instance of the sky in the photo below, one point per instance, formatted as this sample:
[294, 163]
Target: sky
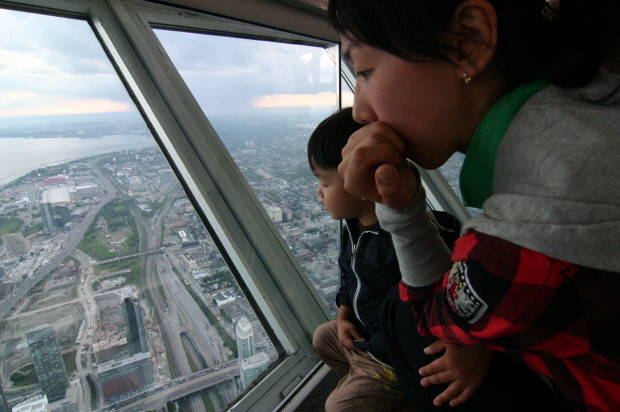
[51, 65]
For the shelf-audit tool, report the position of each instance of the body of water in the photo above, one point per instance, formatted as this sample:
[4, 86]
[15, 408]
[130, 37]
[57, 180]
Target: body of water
[20, 156]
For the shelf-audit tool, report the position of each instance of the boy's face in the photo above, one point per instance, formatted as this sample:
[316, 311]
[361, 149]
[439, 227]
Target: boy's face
[338, 202]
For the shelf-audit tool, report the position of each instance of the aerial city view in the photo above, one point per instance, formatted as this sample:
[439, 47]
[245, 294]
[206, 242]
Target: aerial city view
[113, 293]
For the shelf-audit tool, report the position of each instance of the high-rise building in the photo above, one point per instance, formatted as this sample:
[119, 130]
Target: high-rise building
[47, 361]
[245, 338]
[128, 375]
[252, 367]
[15, 243]
[136, 336]
[47, 214]
[4, 405]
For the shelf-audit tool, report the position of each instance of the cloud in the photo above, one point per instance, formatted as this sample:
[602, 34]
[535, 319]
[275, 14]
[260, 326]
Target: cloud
[51, 61]
[71, 107]
[299, 100]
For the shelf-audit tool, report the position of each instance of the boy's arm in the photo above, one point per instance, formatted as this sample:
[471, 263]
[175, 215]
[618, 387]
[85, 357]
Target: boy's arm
[345, 325]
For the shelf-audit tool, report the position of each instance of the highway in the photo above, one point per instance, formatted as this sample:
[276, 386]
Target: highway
[68, 246]
[178, 388]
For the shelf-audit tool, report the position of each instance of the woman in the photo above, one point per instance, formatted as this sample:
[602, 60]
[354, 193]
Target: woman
[527, 90]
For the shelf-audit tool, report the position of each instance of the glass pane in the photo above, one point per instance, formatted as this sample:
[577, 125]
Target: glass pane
[112, 293]
[264, 99]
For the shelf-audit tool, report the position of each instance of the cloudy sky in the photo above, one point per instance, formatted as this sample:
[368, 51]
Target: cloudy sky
[50, 65]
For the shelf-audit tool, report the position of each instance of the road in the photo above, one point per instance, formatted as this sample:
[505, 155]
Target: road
[68, 246]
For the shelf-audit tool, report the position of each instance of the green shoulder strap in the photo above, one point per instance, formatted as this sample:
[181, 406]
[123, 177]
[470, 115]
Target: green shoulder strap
[476, 178]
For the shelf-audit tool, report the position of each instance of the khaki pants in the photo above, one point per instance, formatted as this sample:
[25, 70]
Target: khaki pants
[366, 384]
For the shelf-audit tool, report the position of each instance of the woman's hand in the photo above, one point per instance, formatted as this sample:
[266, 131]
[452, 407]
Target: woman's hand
[374, 168]
[464, 367]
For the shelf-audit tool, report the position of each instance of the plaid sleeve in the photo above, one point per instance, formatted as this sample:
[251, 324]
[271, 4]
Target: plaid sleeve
[494, 290]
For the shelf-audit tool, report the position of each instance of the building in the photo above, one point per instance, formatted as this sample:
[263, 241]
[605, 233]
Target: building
[4, 405]
[119, 378]
[245, 338]
[36, 404]
[222, 298]
[47, 214]
[47, 361]
[166, 176]
[252, 367]
[134, 326]
[274, 213]
[15, 243]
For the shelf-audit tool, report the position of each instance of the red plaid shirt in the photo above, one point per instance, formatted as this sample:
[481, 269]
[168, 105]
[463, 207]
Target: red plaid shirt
[561, 319]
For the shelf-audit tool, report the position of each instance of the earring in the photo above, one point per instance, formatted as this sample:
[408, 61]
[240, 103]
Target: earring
[466, 78]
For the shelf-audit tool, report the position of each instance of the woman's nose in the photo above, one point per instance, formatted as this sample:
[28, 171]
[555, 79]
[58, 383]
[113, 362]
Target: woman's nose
[362, 110]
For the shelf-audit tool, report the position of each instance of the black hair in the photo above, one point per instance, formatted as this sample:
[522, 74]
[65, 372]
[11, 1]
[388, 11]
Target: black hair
[566, 45]
[330, 137]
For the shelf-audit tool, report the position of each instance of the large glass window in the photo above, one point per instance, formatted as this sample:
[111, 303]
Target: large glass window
[264, 99]
[113, 292]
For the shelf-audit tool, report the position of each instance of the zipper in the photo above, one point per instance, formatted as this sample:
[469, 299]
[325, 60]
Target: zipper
[354, 248]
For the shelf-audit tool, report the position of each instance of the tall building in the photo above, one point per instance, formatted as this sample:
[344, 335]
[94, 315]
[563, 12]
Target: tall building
[245, 338]
[47, 214]
[252, 367]
[47, 361]
[119, 378]
[15, 243]
[136, 336]
[4, 405]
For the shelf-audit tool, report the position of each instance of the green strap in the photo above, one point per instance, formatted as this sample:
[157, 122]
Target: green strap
[476, 178]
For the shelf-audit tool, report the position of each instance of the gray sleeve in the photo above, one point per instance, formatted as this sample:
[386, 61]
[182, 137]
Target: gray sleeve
[422, 255]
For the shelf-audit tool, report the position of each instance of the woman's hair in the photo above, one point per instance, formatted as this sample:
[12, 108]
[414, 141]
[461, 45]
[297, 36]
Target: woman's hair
[329, 138]
[565, 45]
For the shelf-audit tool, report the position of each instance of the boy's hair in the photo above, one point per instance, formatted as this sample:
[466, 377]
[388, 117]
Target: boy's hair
[329, 138]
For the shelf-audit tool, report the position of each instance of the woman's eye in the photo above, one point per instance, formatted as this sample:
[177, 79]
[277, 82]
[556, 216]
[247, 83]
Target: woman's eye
[363, 74]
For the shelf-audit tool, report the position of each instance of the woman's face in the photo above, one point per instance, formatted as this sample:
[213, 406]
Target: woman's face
[426, 102]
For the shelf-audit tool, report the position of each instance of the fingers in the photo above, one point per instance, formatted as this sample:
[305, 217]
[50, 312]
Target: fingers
[373, 166]
[436, 347]
[455, 394]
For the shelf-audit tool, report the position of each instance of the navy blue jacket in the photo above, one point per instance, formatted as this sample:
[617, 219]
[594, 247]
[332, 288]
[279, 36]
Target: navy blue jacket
[369, 269]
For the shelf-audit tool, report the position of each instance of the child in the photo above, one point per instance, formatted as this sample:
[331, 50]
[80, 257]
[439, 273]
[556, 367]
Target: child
[368, 274]
[527, 90]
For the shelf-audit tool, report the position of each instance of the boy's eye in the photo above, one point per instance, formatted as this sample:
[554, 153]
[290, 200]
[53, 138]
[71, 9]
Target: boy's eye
[363, 73]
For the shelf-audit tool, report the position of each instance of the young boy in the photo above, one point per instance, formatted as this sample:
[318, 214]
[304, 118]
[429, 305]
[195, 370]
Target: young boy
[351, 344]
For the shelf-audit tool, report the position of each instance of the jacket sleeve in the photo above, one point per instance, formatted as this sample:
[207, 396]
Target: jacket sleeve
[344, 263]
[494, 291]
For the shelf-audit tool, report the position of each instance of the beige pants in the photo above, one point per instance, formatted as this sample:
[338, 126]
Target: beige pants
[366, 384]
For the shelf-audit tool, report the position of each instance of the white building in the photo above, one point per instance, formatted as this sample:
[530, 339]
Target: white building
[251, 367]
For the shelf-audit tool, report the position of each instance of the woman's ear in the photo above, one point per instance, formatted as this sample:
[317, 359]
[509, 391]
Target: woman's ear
[472, 35]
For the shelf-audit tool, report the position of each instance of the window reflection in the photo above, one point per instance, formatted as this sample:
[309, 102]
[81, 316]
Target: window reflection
[113, 293]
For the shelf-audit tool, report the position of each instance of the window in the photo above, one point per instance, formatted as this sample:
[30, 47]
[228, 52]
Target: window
[132, 277]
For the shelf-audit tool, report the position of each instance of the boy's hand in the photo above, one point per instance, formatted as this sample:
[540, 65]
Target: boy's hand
[465, 367]
[374, 168]
[347, 333]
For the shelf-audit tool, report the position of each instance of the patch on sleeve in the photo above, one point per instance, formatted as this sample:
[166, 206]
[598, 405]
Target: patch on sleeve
[462, 297]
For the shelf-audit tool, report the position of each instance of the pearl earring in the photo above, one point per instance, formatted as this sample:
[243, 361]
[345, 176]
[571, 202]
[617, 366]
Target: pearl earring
[466, 78]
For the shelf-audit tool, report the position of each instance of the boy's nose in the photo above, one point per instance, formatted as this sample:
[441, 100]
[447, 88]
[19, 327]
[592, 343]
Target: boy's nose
[319, 191]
